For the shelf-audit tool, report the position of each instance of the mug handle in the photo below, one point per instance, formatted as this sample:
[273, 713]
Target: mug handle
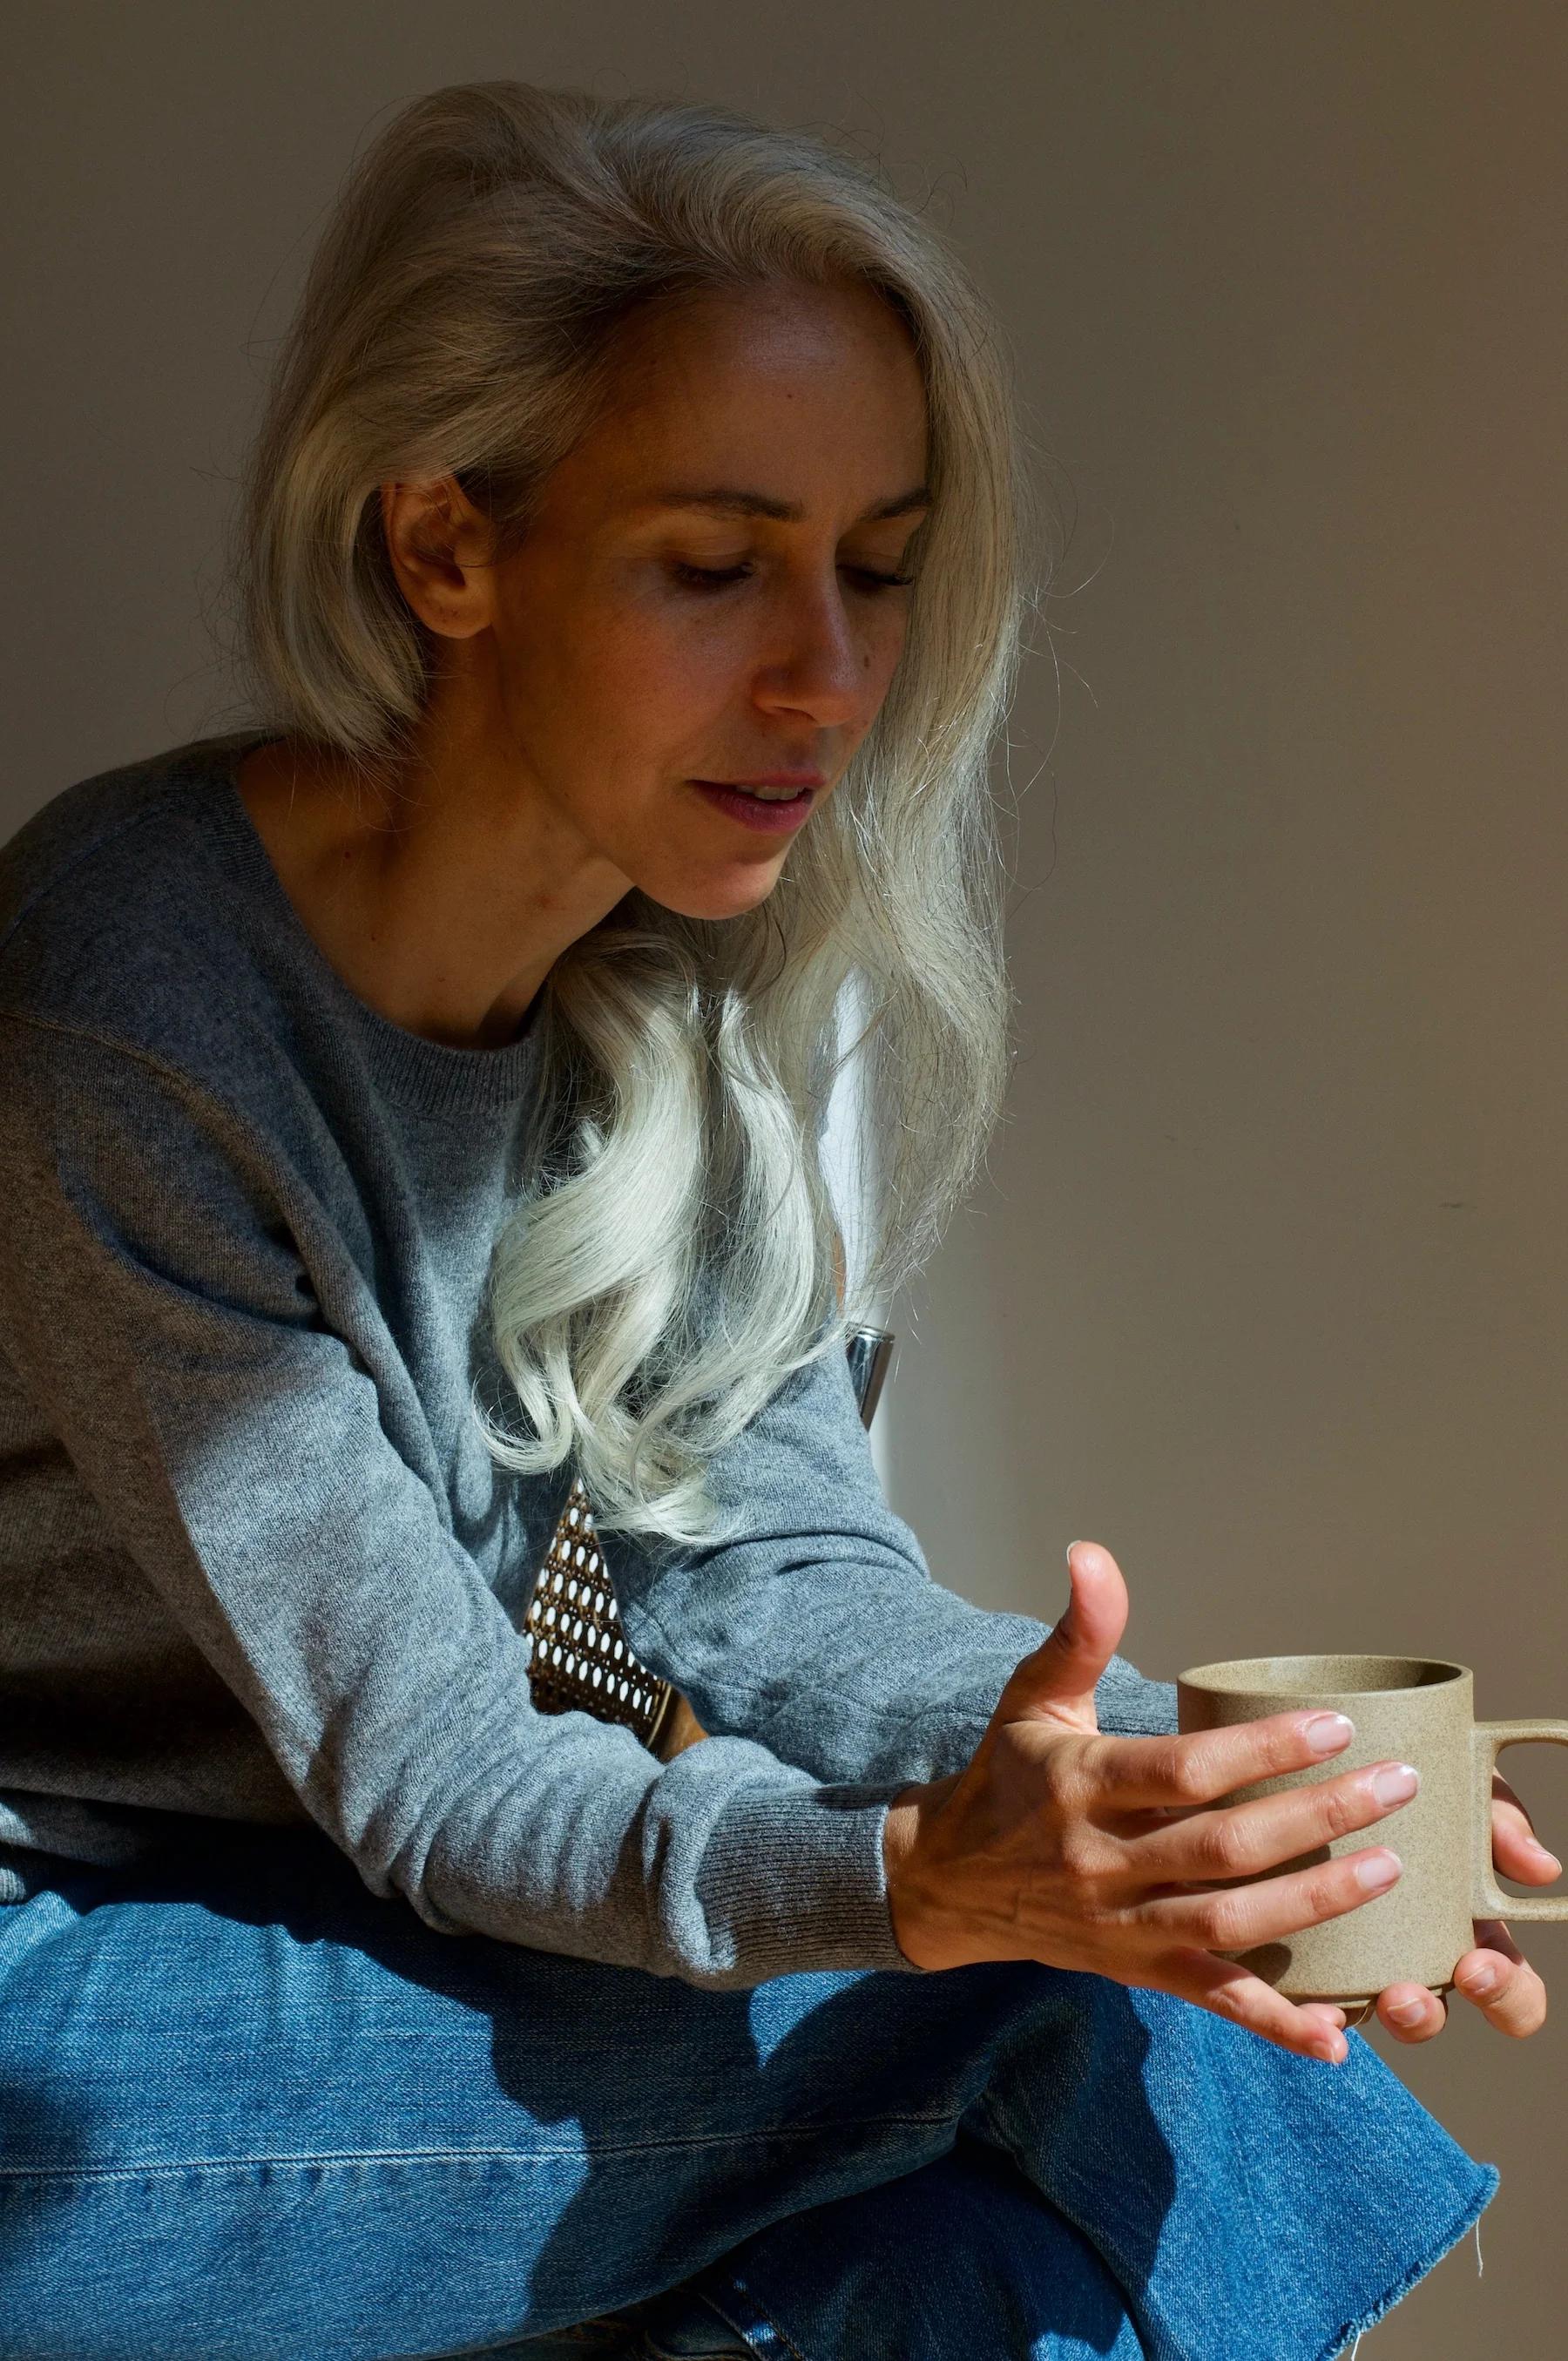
[1490, 1902]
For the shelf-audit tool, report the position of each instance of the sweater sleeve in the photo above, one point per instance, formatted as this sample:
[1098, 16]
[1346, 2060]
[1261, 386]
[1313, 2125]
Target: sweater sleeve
[816, 1628]
[156, 1304]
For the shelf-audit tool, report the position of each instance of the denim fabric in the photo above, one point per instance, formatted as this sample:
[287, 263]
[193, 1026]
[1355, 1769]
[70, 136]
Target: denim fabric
[265, 2115]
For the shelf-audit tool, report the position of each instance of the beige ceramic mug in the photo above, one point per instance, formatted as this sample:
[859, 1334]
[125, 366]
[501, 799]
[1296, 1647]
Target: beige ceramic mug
[1410, 1709]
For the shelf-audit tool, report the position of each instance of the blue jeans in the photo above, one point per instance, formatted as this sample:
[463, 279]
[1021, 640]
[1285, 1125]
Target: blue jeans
[251, 2112]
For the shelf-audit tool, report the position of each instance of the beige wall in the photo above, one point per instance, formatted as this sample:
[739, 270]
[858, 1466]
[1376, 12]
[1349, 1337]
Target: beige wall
[1266, 1289]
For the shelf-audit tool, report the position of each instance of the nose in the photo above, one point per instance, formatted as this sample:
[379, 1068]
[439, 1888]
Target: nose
[822, 661]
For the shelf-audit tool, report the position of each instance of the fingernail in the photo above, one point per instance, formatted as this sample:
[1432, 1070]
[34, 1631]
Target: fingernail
[1536, 1846]
[1375, 1870]
[1397, 1783]
[1332, 2050]
[1407, 2012]
[1327, 1732]
[1482, 1983]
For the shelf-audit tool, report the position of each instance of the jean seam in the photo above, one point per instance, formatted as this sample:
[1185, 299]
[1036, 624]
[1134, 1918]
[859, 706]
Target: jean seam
[313, 2158]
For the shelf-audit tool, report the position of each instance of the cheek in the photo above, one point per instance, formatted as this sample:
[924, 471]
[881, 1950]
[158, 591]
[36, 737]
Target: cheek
[669, 676]
[619, 674]
[882, 650]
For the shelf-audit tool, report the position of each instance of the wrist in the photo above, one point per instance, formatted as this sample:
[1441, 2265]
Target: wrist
[904, 1861]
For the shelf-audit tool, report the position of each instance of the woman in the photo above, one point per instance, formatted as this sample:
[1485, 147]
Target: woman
[416, 1098]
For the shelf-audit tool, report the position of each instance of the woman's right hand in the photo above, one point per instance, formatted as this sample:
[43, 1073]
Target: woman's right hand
[1067, 1845]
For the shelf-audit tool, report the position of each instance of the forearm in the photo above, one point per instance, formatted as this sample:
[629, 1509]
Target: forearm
[929, 1725]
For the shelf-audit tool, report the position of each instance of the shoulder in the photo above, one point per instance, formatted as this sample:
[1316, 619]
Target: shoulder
[81, 827]
[125, 920]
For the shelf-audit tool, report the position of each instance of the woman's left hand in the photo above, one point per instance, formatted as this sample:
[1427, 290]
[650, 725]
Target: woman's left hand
[1495, 1976]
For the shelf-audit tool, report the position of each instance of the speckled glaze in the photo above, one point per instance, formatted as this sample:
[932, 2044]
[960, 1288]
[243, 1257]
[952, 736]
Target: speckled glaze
[1413, 1710]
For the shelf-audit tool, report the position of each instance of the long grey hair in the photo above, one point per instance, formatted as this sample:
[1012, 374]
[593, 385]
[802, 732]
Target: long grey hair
[673, 1252]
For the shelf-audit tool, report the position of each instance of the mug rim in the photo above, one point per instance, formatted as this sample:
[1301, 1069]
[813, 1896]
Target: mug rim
[1262, 1676]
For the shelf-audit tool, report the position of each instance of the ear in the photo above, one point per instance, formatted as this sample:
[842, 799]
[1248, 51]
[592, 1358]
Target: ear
[435, 544]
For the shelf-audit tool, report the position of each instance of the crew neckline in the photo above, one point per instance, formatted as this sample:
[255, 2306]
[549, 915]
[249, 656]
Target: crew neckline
[432, 1076]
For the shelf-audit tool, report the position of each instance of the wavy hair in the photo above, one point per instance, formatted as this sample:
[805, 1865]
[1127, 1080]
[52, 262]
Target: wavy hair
[674, 1253]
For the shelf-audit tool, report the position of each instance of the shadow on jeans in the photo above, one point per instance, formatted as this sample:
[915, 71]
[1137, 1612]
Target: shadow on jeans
[820, 2144]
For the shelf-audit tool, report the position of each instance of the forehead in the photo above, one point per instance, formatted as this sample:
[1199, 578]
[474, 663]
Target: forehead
[736, 500]
[768, 391]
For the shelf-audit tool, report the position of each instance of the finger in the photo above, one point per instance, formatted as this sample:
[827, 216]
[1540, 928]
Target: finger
[1307, 2028]
[1493, 1933]
[1195, 1769]
[1501, 1983]
[1247, 1837]
[1061, 1675]
[1517, 1851]
[1237, 1918]
[1411, 2013]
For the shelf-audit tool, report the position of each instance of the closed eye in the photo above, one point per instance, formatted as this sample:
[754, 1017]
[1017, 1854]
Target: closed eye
[706, 577]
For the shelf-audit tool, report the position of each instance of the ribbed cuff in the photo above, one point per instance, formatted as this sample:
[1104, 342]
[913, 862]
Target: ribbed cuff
[795, 1884]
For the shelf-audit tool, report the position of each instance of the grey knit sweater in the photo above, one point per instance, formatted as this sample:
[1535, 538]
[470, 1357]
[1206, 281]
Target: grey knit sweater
[256, 1562]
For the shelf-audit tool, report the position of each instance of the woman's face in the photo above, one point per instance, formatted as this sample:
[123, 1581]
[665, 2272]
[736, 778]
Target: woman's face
[645, 637]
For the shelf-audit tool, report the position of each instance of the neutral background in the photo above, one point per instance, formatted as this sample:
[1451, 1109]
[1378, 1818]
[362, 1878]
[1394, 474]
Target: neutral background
[1265, 1285]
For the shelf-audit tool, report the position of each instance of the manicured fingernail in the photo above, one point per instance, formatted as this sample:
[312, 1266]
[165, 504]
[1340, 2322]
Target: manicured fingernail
[1376, 1870]
[1327, 1732]
[1395, 1783]
[1407, 2012]
[1482, 1983]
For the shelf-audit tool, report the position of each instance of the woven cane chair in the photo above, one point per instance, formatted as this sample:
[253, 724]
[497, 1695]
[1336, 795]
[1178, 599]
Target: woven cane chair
[581, 1658]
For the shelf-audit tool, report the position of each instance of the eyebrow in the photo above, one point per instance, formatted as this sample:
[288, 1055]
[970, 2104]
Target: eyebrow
[726, 500]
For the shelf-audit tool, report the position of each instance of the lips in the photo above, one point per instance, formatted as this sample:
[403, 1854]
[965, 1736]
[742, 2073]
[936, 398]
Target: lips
[777, 811]
[771, 783]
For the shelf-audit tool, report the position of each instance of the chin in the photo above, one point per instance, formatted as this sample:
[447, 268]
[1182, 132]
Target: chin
[729, 897]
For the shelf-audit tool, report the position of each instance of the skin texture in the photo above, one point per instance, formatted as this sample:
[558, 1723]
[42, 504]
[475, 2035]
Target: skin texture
[581, 684]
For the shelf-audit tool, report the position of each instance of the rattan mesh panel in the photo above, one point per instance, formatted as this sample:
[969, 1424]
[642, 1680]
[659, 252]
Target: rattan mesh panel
[581, 1656]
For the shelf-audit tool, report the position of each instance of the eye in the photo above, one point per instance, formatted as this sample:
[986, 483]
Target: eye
[882, 581]
[706, 577]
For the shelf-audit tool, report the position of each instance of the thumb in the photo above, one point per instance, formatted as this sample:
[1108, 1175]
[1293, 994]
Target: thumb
[1058, 1677]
